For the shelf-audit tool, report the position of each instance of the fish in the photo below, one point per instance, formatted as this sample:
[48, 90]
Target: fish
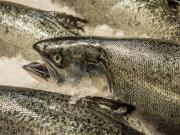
[22, 26]
[141, 72]
[32, 111]
[136, 18]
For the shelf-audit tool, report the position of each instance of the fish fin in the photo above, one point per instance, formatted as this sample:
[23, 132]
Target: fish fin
[69, 21]
[110, 105]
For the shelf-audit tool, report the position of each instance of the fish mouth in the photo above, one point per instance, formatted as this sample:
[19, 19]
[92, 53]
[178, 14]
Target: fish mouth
[37, 70]
[41, 71]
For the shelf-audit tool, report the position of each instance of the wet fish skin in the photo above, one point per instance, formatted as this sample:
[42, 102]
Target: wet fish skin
[137, 18]
[22, 26]
[142, 72]
[30, 111]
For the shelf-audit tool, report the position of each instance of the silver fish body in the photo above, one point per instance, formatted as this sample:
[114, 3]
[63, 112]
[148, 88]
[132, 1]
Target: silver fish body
[30, 111]
[21, 27]
[154, 18]
[145, 73]
[142, 72]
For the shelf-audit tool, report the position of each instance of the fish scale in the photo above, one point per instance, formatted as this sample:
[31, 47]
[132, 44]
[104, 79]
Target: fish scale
[30, 111]
[146, 75]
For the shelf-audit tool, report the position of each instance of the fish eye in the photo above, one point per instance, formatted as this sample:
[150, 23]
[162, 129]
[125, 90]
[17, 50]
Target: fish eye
[57, 58]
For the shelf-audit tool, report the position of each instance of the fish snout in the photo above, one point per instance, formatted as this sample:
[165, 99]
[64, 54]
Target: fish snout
[39, 47]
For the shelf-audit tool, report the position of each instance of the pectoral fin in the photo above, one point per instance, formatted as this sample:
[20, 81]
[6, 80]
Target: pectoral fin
[108, 105]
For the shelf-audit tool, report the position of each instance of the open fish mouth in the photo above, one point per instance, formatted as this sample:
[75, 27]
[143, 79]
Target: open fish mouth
[42, 71]
[38, 71]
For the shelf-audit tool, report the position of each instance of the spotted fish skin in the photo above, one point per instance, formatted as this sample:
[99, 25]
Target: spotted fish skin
[142, 72]
[137, 18]
[145, 73]
[30, 111]
[22, 26]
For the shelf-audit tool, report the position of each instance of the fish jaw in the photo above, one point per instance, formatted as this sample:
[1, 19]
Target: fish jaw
[38, 71]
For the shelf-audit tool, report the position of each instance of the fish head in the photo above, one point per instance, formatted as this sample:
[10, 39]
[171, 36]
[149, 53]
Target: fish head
[67, 59]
